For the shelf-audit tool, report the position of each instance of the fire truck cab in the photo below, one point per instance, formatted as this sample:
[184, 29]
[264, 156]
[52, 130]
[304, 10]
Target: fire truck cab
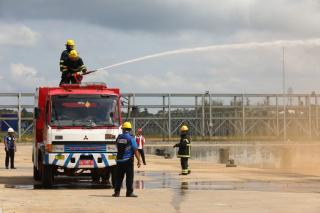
[75, 129]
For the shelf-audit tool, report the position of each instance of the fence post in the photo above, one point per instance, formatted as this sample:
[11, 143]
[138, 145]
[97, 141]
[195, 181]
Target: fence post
[203, 116]
[210, 117]
[134, 117]
[243, 117]
[169, 116]
[309, 116]
[277, 115]
[19, 116]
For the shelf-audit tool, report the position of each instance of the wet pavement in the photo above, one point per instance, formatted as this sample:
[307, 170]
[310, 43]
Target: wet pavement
[270, 156]
[211, 187]
[167, 180]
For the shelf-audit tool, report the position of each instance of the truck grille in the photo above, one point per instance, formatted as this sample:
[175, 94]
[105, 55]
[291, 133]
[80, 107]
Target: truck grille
[83, 147]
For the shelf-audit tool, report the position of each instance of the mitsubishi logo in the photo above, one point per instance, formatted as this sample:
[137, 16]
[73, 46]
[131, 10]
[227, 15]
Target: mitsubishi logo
[85, 137]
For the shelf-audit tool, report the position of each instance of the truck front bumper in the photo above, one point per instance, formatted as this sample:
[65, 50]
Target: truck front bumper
[80, 160]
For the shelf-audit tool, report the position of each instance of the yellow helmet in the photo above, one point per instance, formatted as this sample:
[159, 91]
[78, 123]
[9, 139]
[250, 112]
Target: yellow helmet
[126, 125]
[184, 128]
[73, 54]
[70, 42]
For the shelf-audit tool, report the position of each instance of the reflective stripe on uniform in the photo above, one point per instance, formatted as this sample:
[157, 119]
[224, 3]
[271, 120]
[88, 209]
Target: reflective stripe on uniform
[185, 171]
[183, 156]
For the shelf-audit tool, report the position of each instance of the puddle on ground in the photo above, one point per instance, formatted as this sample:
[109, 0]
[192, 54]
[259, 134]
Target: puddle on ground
[167, 180]
[160, 180]
[62, 184]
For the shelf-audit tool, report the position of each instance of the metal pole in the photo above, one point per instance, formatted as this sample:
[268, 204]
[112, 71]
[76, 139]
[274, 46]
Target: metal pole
[19, 116]
[203, 116]
[317, 121]
[164, 110]
[277, 115]
[134, 119]
[210, 116]
[169, 116]
[309, 116]
[196, 106]
[243, 117]
[284, 98]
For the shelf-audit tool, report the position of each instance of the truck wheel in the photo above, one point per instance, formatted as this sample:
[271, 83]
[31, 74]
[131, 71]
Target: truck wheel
[36, 175]
[47, 176]
[95, 176]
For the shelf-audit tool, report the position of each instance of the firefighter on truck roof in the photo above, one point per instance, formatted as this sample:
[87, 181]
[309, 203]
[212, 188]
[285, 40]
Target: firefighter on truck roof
[184, 150]
[70, 44]
[72, 69]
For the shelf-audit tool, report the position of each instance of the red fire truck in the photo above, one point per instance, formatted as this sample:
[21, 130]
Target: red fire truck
[75, 130]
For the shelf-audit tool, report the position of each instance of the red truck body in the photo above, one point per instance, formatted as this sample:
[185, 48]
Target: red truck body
[75, 131]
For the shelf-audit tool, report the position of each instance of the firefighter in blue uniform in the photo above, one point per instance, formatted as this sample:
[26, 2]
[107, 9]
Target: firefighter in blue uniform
[184, 150]
[10, 148]
[127, 147]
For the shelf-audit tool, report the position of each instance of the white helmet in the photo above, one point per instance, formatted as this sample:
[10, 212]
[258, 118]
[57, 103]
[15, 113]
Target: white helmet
[10, 130]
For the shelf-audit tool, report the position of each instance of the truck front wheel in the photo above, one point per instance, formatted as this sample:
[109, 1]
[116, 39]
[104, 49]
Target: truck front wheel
[47, 175]
[36, 175]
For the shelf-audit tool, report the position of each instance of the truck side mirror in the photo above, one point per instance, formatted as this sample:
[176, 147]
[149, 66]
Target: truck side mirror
[36, 112]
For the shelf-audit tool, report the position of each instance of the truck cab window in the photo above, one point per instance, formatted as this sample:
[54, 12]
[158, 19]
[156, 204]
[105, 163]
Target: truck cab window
[77, 110]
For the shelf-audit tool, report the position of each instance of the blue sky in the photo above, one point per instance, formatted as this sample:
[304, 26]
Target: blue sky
[33, 33]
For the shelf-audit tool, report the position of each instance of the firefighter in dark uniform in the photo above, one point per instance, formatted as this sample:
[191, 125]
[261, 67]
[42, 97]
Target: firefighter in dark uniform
[184, 150]
[72, 69]
[10, 148]
[127, 147]
[65, 54]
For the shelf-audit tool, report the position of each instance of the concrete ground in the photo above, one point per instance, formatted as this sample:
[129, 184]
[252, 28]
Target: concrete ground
[209, 188]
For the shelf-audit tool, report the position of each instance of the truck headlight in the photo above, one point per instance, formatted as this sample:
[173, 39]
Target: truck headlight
[111, 148]
[58, 148]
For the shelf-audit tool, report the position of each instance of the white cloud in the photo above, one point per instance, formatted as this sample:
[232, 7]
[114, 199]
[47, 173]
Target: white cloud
[17, 35]
[26, 76]
[21, 70]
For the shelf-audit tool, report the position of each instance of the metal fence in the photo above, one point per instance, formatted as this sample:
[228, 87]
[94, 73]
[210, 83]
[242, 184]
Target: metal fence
[207, 115]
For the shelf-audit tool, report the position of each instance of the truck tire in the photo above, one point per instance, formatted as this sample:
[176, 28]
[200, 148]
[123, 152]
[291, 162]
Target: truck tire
[95, 176]
[36, 175]
[47, 176]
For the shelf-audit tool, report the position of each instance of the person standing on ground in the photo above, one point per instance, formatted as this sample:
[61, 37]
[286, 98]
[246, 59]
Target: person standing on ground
[127, 147]
[10, 148]
[184, 150]
[140, 140]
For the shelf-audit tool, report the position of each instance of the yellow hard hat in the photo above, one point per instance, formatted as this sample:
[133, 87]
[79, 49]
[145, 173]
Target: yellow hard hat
[184, 128]
[70, 42]
[126, 125]
[73, 54]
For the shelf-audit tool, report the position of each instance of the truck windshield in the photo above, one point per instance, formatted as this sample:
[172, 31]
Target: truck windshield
[76, 110]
